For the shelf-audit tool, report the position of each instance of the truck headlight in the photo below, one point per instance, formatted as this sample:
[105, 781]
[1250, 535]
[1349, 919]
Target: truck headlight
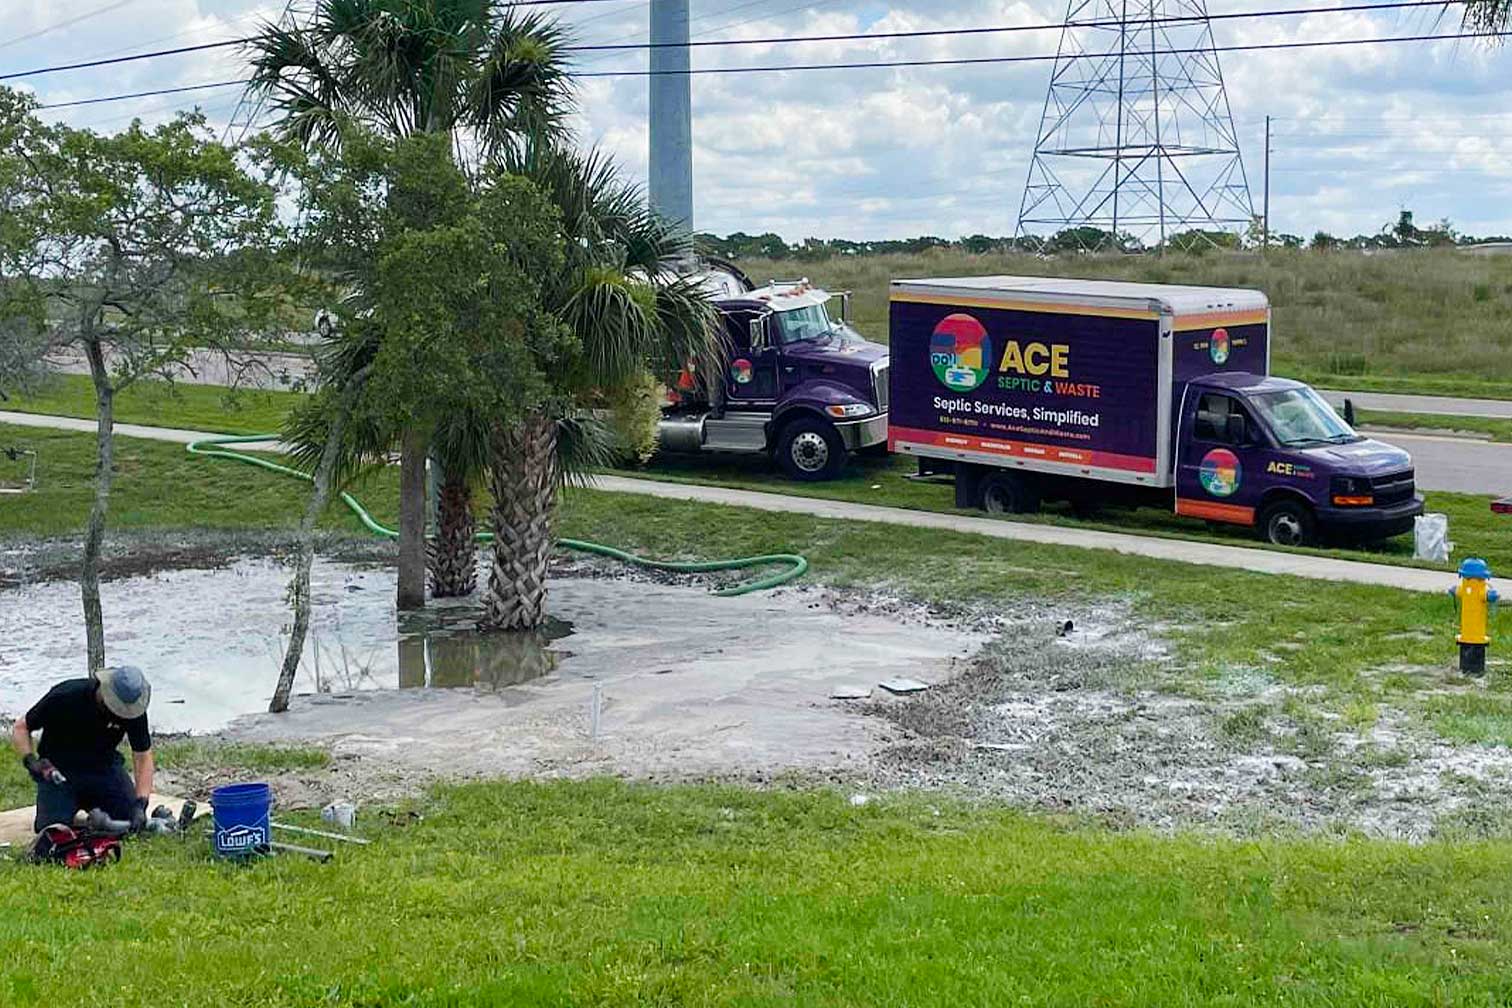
[1351, 491]
[849, 410]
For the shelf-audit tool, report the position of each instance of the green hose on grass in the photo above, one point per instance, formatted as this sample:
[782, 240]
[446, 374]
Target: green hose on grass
[796, 565]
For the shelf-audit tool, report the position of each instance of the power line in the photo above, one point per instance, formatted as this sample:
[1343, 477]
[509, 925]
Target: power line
[882, 64]
[792, 39]
[64, 24]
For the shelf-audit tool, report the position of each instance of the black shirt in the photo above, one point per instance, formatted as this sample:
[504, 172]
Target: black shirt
[78, 734]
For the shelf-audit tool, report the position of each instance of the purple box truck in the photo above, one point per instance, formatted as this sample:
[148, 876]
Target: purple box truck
[796, 382]
[1028, 389]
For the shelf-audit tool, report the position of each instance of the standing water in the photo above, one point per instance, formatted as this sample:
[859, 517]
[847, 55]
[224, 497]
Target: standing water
[212, 641]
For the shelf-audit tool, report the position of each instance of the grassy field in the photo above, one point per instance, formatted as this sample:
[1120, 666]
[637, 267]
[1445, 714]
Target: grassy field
[157, 404]
[611, 894]
[1431, 321]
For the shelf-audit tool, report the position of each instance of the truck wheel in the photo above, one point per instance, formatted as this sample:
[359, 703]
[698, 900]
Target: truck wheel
[1008, 493]
[1289, 523]
[810, 450]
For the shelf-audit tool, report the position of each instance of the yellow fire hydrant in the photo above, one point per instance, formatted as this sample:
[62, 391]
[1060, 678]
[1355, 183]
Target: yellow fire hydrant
[1474, 596]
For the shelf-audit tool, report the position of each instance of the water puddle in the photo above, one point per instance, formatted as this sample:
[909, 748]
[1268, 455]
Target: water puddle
[212, 641]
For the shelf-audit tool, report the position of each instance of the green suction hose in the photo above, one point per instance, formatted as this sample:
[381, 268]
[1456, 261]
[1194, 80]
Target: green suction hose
[797, 566]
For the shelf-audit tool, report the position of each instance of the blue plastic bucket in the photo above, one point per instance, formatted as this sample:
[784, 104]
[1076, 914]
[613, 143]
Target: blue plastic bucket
[242, 814]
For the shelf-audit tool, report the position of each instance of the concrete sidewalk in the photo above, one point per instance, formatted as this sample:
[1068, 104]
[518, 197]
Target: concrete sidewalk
[172, 434]
[1179, 550]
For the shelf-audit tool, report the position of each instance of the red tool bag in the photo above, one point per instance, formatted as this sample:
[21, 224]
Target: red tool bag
[66, 846]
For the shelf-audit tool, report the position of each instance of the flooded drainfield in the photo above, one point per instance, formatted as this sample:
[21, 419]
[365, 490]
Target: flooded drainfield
[211, 641]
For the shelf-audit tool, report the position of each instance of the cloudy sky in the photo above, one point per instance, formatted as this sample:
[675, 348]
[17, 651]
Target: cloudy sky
[1360, 131]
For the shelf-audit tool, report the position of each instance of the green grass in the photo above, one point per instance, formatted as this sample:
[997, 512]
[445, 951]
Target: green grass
[1479, 718]
[157, 404]
[1498, 429]
[16, 788]
[1429, 322]
[1474, 527]
[160, 485]
[611, 894]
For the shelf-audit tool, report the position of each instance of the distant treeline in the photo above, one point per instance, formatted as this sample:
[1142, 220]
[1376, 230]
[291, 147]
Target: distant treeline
[1400, 234]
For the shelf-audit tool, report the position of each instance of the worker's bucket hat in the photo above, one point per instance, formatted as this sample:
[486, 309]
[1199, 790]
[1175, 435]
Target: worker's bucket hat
[124, 691]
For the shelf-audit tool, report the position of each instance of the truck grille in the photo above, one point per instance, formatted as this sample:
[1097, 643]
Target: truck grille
[879, 382]
[1393, 488]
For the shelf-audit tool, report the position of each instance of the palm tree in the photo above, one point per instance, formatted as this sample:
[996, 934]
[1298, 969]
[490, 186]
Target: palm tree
[632, 313]
[475, 69]
[1487, 15]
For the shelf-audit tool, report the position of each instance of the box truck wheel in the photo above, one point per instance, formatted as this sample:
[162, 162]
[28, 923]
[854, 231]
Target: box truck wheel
[810, 449]
[1009, 493]
[1289, 523]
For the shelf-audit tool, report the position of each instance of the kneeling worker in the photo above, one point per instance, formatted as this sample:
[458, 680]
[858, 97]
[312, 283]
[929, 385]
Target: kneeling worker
[78, 765]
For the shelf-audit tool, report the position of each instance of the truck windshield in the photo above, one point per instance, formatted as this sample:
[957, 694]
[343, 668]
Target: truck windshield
[809, 323]
[1297, 416]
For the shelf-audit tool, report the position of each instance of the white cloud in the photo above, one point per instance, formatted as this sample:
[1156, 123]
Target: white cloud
[1359, 131]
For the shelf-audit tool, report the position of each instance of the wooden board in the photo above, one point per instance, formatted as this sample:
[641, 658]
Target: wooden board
[16, 824]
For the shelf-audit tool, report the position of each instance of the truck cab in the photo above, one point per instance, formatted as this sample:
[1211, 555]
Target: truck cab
[794, 381]
[1271, 453]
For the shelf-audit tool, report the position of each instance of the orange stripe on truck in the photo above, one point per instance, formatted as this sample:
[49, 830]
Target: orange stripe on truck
[1213, 511]
[1212, 320]
[1050, 308]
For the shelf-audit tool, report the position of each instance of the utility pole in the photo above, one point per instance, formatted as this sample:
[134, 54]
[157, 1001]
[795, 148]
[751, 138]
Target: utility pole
[671, 155]
[1265, 213]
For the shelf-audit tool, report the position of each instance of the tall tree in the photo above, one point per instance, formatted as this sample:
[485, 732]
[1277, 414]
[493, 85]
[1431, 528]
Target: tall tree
[476, 71]
[1487, 15]
[132, 252]
[633, 315]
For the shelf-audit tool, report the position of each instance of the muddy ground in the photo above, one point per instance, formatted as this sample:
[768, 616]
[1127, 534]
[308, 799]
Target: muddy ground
[1101, 720]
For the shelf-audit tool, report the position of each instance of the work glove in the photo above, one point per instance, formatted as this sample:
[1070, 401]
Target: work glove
[139, 815]
[42, 770]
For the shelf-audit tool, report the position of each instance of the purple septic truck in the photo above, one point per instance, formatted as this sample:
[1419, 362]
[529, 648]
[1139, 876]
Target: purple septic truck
[796, 382]
[1107, 393]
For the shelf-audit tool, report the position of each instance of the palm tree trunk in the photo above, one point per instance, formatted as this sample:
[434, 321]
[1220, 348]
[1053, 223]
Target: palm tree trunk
[94, 534]
[453, 552]
[411, 588]
[523, 477]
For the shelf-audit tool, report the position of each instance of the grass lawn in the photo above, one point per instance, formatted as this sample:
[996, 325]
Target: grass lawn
[611, 894]
[1475, 529]
[1497, 428]
[158, 404]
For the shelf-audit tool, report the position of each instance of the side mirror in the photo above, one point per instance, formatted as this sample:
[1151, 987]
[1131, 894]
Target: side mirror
[1238, 430]
[758, 334]
[845, 307]
[1349, 416]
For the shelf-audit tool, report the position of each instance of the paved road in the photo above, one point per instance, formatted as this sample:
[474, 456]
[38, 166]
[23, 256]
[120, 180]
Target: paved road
[1457, 464]
[1393, 403]
[1180, 550]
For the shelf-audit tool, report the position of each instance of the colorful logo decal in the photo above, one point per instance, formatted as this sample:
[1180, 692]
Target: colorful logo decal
[1220, 472]
[961, 353]
[741, 371]
[1218, 346]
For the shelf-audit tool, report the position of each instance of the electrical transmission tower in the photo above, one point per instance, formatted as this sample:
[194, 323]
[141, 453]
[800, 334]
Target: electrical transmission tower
[249, 107]
[1136, 136]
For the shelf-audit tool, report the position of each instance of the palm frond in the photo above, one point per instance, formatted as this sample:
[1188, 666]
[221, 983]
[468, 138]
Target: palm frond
[586, 445]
